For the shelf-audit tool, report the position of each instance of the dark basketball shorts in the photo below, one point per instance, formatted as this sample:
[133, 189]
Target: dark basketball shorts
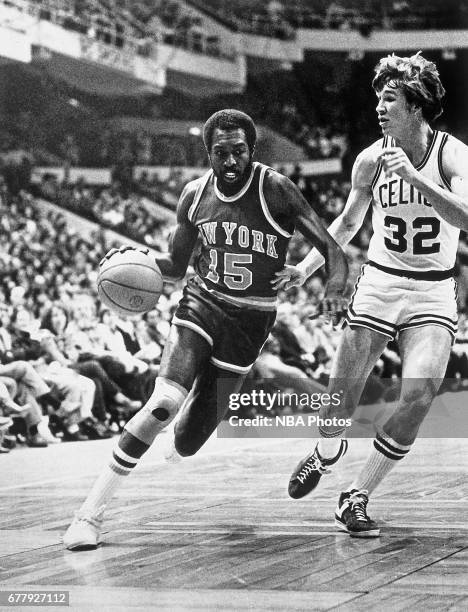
[235, 334]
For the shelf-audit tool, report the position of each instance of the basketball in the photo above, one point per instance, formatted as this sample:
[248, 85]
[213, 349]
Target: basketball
[129, 282]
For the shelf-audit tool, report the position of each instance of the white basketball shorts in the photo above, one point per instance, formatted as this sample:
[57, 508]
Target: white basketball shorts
[388, 304]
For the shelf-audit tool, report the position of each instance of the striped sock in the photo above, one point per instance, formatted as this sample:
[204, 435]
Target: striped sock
[125, 456]
[381, 461]
[330, 441]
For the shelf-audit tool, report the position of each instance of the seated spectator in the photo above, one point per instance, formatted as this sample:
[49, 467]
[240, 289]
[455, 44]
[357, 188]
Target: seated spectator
[113, 340]
[151, 337]
[109, 400]
[76, 391]
[26, 386]
[271, 370]
[291, 352]
[85, 342]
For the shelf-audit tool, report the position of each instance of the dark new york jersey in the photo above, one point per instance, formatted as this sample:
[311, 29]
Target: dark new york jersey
[242, 245]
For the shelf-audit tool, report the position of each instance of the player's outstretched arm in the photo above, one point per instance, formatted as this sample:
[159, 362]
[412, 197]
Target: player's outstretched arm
[344, 227]
[174, 263]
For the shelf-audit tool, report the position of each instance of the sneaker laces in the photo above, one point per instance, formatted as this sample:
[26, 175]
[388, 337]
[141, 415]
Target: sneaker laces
[358, 502]
[313, 464]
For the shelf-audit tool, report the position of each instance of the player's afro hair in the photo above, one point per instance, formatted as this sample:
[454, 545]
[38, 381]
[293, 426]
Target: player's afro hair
[417, 77]
[230, 119]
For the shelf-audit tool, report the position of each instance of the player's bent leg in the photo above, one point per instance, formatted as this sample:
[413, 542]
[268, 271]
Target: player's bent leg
[185, 353]
[355, 357]
[136, 439]
[205, 408]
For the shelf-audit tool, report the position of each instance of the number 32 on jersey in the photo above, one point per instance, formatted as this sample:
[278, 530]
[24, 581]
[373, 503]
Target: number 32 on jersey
[430, 229]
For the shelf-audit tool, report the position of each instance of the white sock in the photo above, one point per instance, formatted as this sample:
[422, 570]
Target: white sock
[109, 481]
[330, 441]
[382, 459]
[138, 435]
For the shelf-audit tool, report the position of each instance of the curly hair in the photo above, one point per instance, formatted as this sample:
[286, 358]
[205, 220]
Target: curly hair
[230, 119]
[417, 77]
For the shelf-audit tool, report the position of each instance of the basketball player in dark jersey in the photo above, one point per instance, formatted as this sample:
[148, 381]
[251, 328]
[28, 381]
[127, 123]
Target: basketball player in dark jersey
[245, 214]
[417, 181]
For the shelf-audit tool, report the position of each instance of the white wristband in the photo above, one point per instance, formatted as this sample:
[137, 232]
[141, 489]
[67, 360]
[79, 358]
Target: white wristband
[308, 267]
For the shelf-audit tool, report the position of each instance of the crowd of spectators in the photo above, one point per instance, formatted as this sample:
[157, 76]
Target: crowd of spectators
[144, 149]
[69, 369]
[72, 370]
[280, 18]
[130, 27]
[318, 142]
[124, 212]
[135, 26]
[173, 23]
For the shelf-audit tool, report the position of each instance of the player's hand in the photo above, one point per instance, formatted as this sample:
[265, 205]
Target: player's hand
[122, 249]
[289, 276]
[395, 161]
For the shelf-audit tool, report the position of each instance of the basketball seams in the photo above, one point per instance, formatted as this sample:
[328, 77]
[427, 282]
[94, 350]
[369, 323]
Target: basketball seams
[119, 284]
[137, 264]
[130, 284]
[124, 308]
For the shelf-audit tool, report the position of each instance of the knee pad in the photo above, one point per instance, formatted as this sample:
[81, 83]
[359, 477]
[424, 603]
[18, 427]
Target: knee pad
[158, 411]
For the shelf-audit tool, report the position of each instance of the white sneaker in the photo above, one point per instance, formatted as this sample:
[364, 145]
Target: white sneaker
[85, 531]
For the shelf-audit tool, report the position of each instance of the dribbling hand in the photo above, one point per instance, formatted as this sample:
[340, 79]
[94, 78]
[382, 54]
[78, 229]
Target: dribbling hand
[123, 249]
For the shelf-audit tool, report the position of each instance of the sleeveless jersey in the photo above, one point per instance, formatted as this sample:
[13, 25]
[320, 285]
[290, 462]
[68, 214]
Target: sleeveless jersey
[408, 233]
[242, 245]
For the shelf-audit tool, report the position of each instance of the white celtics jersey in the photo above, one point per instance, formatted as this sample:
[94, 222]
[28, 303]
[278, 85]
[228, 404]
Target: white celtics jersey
[408, 233]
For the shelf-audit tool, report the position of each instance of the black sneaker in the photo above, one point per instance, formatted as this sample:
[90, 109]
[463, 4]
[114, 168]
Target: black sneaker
[308, 472]
[351, 515]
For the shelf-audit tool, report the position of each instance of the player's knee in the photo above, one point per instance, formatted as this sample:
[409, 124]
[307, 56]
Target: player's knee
[165, 401]
[158, 411]
[165, 411]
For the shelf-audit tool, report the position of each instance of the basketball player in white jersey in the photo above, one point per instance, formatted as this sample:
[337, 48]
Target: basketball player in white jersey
[417, 181]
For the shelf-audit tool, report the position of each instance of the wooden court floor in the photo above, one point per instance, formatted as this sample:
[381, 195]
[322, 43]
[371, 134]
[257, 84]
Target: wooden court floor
[218, 531]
